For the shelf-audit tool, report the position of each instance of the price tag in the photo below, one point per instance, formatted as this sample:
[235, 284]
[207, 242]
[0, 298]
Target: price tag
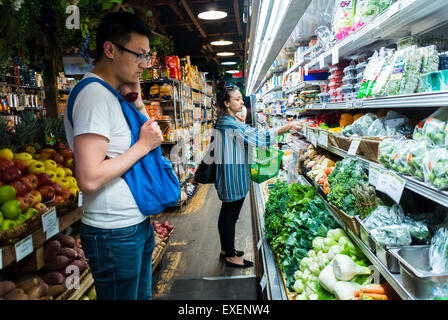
[1, 259]
[396, 187]
[314, 139]
[80, 199]
[323, 139]
[24, 247]
[321, 61]
[335, 55]
[374, 173]
[383, 181]
[50, 223]
[358, 103]
[263, 282]
[349, 104]
[354, 146]
[306, 69]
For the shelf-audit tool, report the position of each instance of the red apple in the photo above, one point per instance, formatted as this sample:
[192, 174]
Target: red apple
[11, 174]
[57, 158]
[59, 145]
[40, 207]
[67, 153]
[43, 179]
[57, 188]
[27, 182]
[25, 203]
[37, 196]
[21, 165]
[33, 179]
[66, 194]
[58, 199]
[20, 188]
[47, 192]
[31, 198]
[5, 163]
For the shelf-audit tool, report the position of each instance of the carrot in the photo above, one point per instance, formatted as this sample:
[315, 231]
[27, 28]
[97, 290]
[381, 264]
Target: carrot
[328, 170]
[375, 296]
[326, 190]
[326, 184]
[321, 181]
[378, 289]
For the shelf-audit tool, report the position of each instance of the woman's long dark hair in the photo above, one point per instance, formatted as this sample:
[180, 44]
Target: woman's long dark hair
[223, 94]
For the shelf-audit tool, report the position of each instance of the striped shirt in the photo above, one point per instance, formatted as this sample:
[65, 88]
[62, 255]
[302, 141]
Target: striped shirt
[233, 147]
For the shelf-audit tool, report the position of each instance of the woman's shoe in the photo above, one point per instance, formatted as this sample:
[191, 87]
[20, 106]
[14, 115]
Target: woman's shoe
[237, 253]
[247, 264]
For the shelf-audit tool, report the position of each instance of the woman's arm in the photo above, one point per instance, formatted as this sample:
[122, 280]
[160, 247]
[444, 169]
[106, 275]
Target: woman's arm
[262, 138]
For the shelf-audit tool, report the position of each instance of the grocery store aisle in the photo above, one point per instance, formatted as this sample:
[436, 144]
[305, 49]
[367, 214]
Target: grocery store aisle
[191, 268]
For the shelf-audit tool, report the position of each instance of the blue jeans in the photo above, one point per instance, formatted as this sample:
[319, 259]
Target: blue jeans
[120, 260]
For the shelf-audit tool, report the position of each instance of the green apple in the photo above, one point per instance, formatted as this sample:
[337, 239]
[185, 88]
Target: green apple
[11, 209]
[1, 219]
[8, 224]
[7, 192]
[21, 219]
[30, 212]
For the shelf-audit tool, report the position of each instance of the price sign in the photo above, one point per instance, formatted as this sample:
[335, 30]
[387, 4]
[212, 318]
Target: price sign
[80, 199]
[323, 139]
[313, 139]
[335, 55]
[349, 104]
[321, 61]
[1, 259]
[50, 223]
[24, 248]
[396, 187]
[354, 146]
[383, 181]
[374, 174]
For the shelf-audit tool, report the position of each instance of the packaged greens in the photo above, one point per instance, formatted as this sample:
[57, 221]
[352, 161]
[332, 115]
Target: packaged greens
[377, 128]
[384, 216]
[361, 126]
[405, 72]
[367, 10]
[396, 123]
[344, 13]
[435, 168]
[371, 73]
[415, 158]
[378, 88]
[401, 163]
[392, 235]
[438, 251]
[418, 230]
[434, 128]
[388, 150]
[430, 63]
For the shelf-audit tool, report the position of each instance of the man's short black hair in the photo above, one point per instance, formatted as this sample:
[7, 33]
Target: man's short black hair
[117, 27]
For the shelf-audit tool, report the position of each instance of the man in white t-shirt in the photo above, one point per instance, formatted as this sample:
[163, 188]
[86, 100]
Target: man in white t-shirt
[117, 238]
[242, 115]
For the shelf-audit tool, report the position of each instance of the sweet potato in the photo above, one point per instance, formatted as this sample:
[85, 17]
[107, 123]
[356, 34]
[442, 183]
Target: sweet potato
[56, 263]
[82, 265]
[6, 287]
[46, 298]
[35, 292]
[66, 241]
[43, 285]
[81, 254]
[56, 290]
[69, 253]
[51, 249]
[52, 278]
[28, 283]
[16, 294]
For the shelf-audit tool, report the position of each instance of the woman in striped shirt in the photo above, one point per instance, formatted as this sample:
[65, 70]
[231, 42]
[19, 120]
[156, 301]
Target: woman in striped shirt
[233, 141]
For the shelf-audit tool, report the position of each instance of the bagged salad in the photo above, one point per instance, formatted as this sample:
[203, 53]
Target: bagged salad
[343, 16]
[367, 10]
[401, 163]
[392, 235]
[438, 251]
[415, 158]
[430, 63]
[433, 129]
[371, 73]
[388, 150]
[435, 168]
[378, 88]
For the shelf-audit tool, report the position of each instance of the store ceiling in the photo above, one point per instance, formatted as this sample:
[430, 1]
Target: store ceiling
[192, 36]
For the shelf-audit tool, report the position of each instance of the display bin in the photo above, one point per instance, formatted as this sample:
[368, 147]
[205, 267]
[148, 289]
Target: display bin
[365, 235]
[350, 221]
[342, 142]
[369, 148]
[266, 165]
[332, 140]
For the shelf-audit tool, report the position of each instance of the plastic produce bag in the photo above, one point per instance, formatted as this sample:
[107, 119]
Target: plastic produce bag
[383, 216]
[392, 235]
[367, 10]
[438, 251]
[418, 230]
[415, 158]
[387, 150]
[361, 126]
[378, 128]
[396, 123]
[430, 63]
[433, 130]
[378, 88]
[435, 168]
[401, 163]
[371, 73]
[344, 13]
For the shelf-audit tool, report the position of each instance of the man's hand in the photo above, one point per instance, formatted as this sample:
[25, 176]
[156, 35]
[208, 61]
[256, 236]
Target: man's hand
[150, 135]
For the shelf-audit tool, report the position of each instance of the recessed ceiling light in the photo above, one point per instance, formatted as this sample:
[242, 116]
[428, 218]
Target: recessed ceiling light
[212, 15]
[221, 43]
[233, 71]
[228, 63]
[225, 54]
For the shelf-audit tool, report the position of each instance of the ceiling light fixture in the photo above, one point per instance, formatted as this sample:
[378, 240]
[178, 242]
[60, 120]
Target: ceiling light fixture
[212, 15]
[233, 71]
[225, 54]
[221, 43]
[228, 63]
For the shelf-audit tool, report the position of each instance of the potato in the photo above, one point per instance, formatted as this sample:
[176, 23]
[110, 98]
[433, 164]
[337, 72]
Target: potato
[57, 263]
[69, 253]
[16, 294]
[35, 292]
[6, 287]
[55, 290]
[28, 283]
[52, 278]
[51, 249]
[66, 241]
[46, 298]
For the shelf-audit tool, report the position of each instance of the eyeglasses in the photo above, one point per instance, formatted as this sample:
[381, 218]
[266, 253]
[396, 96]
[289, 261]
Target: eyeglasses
[140, 56]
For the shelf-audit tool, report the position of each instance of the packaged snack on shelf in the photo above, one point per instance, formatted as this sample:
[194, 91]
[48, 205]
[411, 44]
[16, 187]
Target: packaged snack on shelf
[154, 91]
[349, 79]
[347, 88]
[324, 97]
[435, 168]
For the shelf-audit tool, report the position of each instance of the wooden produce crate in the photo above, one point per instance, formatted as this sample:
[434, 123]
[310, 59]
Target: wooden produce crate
[369, 147]
[342, 142]
[85, 282]
[159, 250]
[350, 221]
[332, 142]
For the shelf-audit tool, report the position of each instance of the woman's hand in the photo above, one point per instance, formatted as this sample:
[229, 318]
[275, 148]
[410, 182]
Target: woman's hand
[292, 126]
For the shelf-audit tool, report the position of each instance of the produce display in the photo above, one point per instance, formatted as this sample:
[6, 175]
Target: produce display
[321, 165]
[294, 216]
[31, 180]
[162, 233]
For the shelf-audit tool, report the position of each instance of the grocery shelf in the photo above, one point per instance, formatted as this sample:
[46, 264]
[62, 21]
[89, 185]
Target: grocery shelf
[296, 66]
[403, 18]
[276, 88]
[393, 279]
[304, 85]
